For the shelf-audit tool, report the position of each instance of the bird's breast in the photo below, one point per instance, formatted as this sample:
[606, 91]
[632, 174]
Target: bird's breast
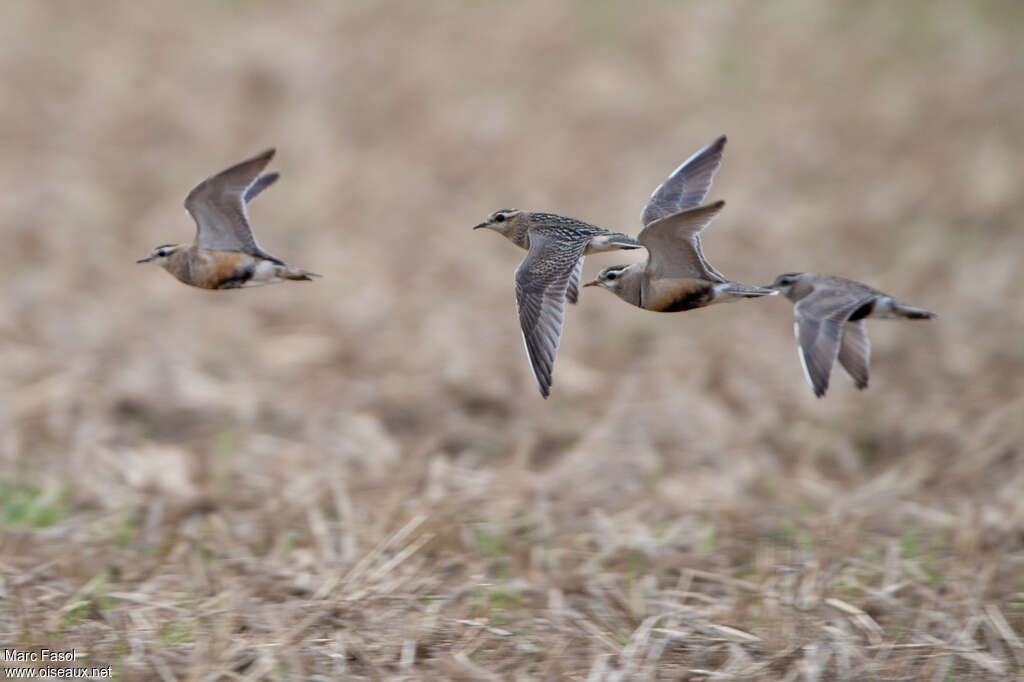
[222, 269]
[675, 295]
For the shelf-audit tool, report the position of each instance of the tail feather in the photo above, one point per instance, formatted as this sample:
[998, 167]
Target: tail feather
[297, 274]
[611, 242]
[624, 244]
[910, 311]
[744, 290]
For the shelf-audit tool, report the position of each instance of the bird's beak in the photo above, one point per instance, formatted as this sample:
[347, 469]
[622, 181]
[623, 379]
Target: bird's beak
[144, 260]
[478, 226]
[593, 283]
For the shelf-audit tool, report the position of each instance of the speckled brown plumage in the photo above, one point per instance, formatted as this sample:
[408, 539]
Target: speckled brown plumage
[549, 275]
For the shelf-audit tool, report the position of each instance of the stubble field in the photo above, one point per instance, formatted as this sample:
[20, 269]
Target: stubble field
[357, 479]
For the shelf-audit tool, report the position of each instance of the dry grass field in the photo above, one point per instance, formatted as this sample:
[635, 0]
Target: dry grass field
[356, 478]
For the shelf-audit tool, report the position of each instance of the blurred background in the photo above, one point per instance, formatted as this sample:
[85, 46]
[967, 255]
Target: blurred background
[357, 478]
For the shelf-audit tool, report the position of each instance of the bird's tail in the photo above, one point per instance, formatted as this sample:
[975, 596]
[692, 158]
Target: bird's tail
[735, 291]
[289, 272]
[612, 242]
[904, 310]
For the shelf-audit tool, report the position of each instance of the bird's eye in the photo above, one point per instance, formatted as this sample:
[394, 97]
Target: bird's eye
[611, 275]
[500, 218]
[786, 280]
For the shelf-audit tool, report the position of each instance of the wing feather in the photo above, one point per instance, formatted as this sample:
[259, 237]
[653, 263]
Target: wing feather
[855, 352]
[572, 292]
[687, 186]
[217, 204]
[542, 281]
[259, 184]
[820, 318]
[673, 244]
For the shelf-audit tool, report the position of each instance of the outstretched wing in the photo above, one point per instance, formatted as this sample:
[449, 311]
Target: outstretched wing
[855, 352]
[688, 184]
[819, 330]
[673, 244]
[572, 293]
[217, 204]
[541, 284]
[261, 183]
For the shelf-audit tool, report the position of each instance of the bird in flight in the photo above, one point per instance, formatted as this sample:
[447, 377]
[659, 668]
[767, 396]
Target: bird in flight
[677, 276]
[830, 313]
[549, 275]
[225, 254]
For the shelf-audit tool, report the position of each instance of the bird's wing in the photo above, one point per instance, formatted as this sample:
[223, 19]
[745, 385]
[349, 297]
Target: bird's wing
[217, 204]
[673, 244]
[855, 352]
[698, 246]
[819, 329]
[687, 186]
[541, 283]
[261, 183]
[572, 292]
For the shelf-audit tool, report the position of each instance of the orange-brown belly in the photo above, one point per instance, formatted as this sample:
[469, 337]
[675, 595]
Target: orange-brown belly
[222, 269]
[675, 295]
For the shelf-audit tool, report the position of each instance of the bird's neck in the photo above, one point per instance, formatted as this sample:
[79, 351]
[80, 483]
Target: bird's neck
[518, 235]
[799, 290]
[179, 264]
[630, 287]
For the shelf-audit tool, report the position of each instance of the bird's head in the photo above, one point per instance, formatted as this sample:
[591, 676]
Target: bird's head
[502, 221]
[788, 284]
[610, 278]
[160, 254]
